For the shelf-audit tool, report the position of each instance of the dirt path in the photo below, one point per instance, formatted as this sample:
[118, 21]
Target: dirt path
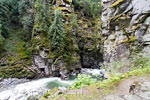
[133, 88]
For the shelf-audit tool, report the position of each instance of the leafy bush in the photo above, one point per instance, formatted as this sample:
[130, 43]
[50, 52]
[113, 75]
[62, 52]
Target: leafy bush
[83, 80]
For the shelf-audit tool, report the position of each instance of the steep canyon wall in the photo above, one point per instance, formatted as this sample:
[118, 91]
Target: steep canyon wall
[126, 25]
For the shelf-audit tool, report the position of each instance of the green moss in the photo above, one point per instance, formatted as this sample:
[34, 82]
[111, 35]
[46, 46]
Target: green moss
[24, 50]
[116, 3]
[17, 71]
[51, 55]
[11, 60]
[117, 17]
[132, 39]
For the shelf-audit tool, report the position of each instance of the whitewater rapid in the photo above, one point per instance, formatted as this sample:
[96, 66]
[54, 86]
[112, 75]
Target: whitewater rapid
[21, 91]
[24, 90]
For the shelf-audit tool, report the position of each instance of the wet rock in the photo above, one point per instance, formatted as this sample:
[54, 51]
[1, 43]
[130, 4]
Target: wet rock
[64, 74]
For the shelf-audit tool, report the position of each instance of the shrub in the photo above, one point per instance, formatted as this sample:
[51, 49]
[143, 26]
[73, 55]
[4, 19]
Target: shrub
[83, 80]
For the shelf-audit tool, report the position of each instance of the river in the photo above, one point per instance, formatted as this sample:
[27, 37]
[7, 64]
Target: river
[22, 90]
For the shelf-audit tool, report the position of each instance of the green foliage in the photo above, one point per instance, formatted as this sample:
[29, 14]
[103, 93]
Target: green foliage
[49, 93]
[91, 8]
[140, 61]
[74, 21]
[4, 17]
[24, 50]
[11, 11]
[43, 15]
[16, 71]
[1, 37]
[136, 61]
[118, 77]
[57, 34]
[15, 23]
[83, 80]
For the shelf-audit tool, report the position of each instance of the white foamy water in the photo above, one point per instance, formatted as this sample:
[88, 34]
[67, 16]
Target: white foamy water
[92, 71]
[24, 90]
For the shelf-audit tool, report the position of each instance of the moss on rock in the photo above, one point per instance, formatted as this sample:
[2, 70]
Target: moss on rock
[116, 3]
[17, 71]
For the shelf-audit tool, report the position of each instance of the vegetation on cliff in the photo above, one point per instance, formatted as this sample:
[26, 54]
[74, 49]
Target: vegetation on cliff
[15, 38]
[33, 26]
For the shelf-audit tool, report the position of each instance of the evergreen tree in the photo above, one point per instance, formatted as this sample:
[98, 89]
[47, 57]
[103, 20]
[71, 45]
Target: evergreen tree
[4, 17]
[57, 34]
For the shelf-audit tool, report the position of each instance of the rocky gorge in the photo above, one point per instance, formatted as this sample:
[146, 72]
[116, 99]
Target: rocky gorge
[125, 28]
[64, 37]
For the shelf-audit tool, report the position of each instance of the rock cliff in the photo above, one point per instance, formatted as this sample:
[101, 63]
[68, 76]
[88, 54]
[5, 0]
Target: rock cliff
[125, 25]
[83, 47]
